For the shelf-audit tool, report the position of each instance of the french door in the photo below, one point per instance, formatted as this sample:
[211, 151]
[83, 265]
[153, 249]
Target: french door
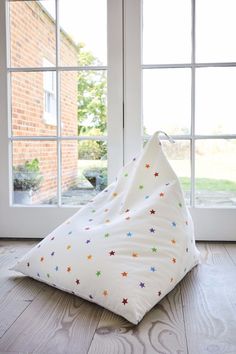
[80, 98]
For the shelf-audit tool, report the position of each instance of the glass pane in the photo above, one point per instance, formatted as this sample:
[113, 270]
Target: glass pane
[178, 155]
[215, 30]
[32, 33]
[166, 31]
[167, 100]
[216, 172]
[215, 101]
[34, 172]
[33, 103]
[83, 32]
[84, 170]
[84, 103]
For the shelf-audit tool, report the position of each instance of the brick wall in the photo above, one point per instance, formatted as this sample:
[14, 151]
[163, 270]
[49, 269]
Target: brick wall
[32, 32]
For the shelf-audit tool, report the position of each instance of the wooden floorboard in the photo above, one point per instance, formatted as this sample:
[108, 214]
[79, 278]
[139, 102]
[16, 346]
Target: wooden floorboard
[197, 317]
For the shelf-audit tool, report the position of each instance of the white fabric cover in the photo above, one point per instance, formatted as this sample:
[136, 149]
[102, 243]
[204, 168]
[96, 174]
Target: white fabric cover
[126, 249]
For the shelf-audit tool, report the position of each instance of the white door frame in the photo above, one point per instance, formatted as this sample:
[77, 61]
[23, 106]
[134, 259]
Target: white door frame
[39, 220]
[217, 224]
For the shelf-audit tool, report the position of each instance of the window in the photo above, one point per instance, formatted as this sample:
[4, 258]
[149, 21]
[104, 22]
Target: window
[49, 86]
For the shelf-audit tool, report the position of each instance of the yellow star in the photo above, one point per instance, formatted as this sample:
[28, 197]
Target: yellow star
[89, 256]
[173, 241]
[114, 194]
[105, 292]
[68, 247]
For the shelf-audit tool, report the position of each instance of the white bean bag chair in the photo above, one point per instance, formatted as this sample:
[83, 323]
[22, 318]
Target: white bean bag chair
[126, 249]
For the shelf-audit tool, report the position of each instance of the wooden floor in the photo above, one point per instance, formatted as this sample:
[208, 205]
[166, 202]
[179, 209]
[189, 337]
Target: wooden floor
[197, 317]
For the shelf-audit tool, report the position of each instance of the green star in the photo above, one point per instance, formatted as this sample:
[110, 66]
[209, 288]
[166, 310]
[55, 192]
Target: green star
[98, 273]
[140, 186]
[107, 235]
[126, 174]
[93, 211]
[180, 205]
[154, 249]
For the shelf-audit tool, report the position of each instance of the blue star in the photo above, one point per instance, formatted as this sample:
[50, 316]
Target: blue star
[70, 232]
[152, 230]
[52, 254]
[129, 234]
[147, 196]
[153, 269]
[142, 285]
[56, 268]
[90, 219]
[174, 224]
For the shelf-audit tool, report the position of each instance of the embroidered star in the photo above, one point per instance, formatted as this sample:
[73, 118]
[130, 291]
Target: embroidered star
[154, 249]
[152, 211]
[56, 268]
[134, 254]
[41, 259]
[140, 186]
[129, 234]
[52, 238]
[106, 210]
[88, 241]
[174, 224]
[28, 264]
[77, 281]
[68, 247]
[52, 254]
[186, 249]
[152, 230]
[147, 196]
[127, 210]
[105, 293]
[68, 269]
[153, 269]
[90, 220]
[161, 194]
[134, 159]
[114, 194]
[98, 273]
[186, 222]
[159, 293]
[156, 174]
[70, 232]
[48, 275]
[38, 275]
[125, 301]
[107, 235]
[93, 210]
[126, 175]
[173, 260]
[142, 285]
[173, 241]
[89, 256]
[87, 228]
[107, 220]
[90, 296]
[147, 165]
[128, 218]
[171, 280]
[124, 274]
[112, 253]
[180, 205]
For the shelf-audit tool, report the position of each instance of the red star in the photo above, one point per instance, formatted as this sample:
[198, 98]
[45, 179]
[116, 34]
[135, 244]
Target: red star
[41, 259]
[161, 194]
[68, 269]
[77, 281]
[156, 174]
[152, 211]
[124, 274]
[147, 165]
[112, 253]
[174, 260]
[125, 301]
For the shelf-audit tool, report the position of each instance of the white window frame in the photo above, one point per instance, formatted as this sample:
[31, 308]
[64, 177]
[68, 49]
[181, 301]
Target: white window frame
[210, 223]
[28, 219]
[49, 116]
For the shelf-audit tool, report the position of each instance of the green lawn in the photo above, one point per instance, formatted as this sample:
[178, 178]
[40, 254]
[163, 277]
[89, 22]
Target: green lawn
[209, 184]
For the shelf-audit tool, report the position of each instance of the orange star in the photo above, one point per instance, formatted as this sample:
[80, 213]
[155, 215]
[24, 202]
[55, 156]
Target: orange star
[134, 254]
[173, 241]
[41, 259]
[174, 260]
[89, 256]
[114, 194]
[68, 269]
[105, 293]
[124, 274]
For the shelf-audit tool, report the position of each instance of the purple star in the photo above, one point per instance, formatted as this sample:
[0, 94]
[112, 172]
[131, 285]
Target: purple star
[52, 254]
[142, 285]
[88, 241]
[152, 230]
[174, 224]
[153, 269]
